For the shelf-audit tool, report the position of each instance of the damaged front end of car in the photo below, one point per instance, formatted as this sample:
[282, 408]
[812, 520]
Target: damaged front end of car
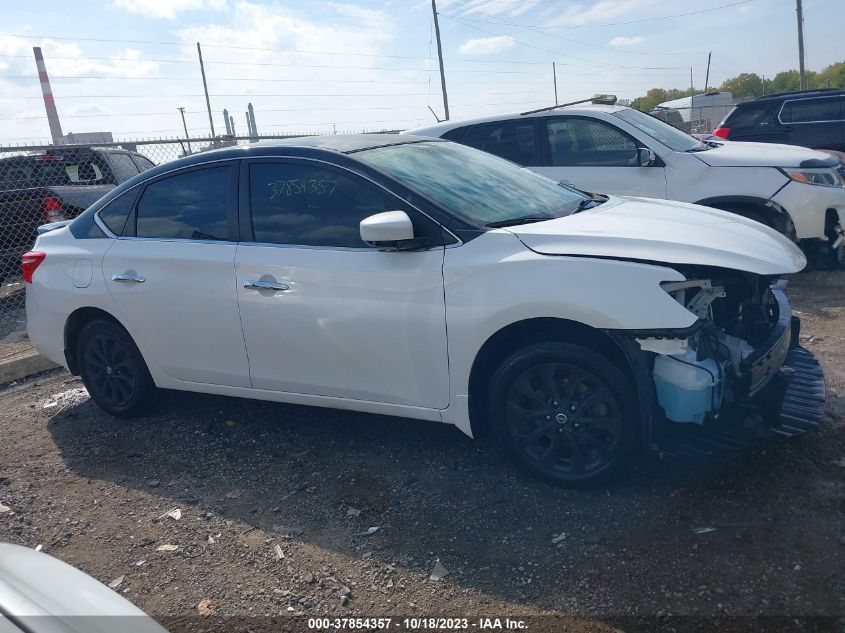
[738, 375]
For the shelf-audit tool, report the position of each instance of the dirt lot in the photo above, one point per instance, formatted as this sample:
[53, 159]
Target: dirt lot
[250, 476]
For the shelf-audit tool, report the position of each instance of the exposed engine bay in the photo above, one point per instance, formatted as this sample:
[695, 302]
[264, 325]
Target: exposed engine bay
[735, 349]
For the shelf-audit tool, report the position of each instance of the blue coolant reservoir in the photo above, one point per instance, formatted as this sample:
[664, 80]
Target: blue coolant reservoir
[688, 389]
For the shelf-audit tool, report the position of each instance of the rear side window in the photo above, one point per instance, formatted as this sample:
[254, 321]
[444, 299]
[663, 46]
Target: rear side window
[513, 140]
[191, 206]
[584, 142]
[123, 166]
[812, 110]
[747, 117]
[114, 214]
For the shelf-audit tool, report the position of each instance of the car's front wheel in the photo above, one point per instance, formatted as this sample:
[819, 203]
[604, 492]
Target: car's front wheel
[564, 412]
[113, 370]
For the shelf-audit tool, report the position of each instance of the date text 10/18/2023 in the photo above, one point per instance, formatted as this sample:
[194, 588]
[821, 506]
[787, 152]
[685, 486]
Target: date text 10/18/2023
[417, 624]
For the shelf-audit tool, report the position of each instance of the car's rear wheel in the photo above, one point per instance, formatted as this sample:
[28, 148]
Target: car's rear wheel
[113, 370]
[564, 412]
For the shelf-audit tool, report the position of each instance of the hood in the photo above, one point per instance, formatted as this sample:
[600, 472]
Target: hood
[667, 232]
[742, 154]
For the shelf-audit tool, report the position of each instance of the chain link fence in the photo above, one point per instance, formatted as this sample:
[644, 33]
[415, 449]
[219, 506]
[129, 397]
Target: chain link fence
[50, 183]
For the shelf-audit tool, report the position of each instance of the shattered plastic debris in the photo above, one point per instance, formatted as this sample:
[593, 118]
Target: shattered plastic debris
[558, 538]
[38, 547]
[175, 513]
[370, 531]
[439, 572]
[4, 508]
[233, 495]
[230, 424]
[279, 553]
[703, 530]
[167, 548]
[205, 607]
[66, 398]
[211, 540]
[353, 512]
[114, 584]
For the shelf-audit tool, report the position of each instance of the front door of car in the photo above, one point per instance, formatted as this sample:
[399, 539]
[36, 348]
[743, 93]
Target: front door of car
[325, 314]
[172, 277]
[596, 156]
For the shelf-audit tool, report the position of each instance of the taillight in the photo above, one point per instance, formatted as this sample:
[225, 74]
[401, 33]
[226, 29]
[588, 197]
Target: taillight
[52, 209]
[29, 262]
[722, 132]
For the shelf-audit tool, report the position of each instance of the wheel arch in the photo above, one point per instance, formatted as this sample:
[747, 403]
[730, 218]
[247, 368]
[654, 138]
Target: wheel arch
[74, 324]
[779, 217]
[620, 350]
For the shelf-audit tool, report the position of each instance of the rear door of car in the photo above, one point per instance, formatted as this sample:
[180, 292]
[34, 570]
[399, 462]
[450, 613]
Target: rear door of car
[171, 273]
[597, 156]
[815, 122]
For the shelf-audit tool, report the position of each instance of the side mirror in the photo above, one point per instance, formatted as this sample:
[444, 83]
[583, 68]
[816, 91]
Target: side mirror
[646, 157]
[387, 229]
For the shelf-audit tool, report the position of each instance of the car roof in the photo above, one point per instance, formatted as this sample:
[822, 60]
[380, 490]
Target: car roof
[341, 143]
[582, 109]
[815, 92]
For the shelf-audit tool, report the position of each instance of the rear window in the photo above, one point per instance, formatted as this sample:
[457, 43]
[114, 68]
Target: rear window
[748, 116]
[37, 171]
[812, 110]
[124, 167]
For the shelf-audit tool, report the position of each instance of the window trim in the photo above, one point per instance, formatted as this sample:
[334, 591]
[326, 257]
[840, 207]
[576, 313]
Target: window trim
[232, 204]
[547, 146]
[245, 209]
[102, 224]
[841, 119]
[532, 121]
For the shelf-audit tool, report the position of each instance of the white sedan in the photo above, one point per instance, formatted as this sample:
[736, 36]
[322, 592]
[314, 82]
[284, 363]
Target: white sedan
[425, 279]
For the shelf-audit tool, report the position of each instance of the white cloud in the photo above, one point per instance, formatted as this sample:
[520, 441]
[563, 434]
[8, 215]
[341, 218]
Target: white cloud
[487, 45]
[627, 41]
[168, 9]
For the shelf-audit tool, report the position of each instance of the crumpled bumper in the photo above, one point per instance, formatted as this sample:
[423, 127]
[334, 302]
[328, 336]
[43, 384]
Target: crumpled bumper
[789, 406]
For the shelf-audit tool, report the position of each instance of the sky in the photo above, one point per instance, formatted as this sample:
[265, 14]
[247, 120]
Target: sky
[125, 66]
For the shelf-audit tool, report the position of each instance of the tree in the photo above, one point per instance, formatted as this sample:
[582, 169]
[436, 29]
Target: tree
[832, 77]
[743, 86]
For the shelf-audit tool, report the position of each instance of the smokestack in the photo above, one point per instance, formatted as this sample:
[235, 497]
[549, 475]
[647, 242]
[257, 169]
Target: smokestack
[228, 124]
[253, 129]
[232, 124]
[49, 102]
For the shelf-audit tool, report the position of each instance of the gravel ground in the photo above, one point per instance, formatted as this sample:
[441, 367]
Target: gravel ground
[277, 502]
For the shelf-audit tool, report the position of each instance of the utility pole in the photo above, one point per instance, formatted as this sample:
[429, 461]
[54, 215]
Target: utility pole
[691, 89]
[801, 74]
[554, 76]
[707, 76]
[440, 58]
[205, 87]
[185, 125]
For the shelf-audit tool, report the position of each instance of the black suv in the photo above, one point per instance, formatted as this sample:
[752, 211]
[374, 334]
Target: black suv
[812, 118]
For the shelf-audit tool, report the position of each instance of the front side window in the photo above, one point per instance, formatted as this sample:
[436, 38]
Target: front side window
[589, 143]
[475, 186]
[812, 110]
[192, 206]
[307, 205]
[512, 140]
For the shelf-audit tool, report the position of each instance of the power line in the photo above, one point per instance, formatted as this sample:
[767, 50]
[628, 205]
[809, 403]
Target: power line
[553, 52]
[638, 21]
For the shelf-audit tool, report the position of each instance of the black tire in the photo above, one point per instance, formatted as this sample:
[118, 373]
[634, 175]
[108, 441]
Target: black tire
[564, 412]
[113, 370]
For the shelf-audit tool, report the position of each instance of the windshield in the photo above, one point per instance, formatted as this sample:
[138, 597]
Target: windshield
[662, 132]
[478, 187]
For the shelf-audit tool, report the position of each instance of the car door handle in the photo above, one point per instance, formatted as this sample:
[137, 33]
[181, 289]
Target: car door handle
[128, 279]
[258, 284]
